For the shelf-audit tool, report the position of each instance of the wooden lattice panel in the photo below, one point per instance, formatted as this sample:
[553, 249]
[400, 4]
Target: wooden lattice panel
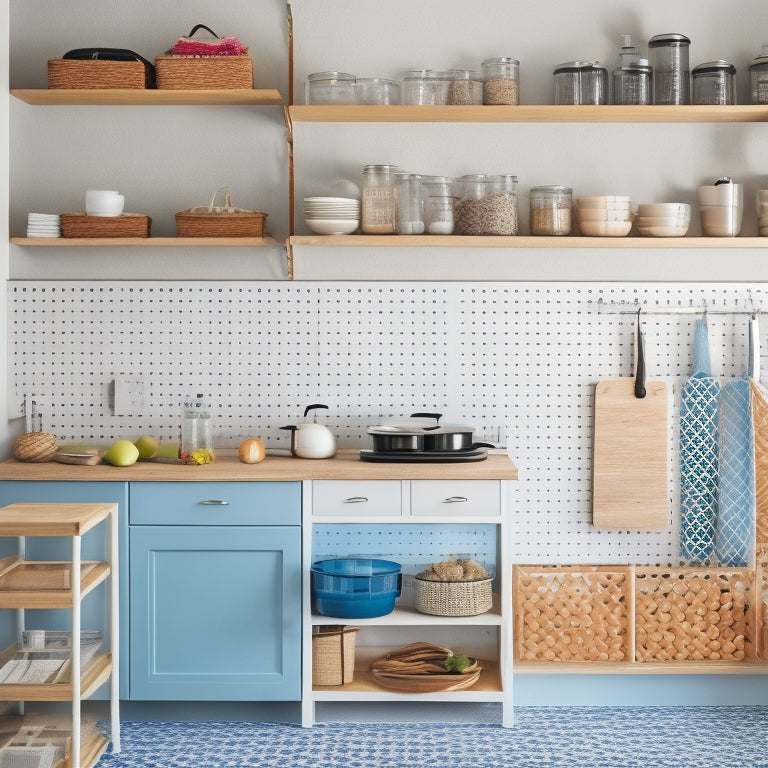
[572, 613]
[695, 614]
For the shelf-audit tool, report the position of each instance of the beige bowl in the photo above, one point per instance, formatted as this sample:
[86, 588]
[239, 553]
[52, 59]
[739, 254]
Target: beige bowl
[604, 201]
[663, 230]
[602, 214]
[605, 228]
[664, 209]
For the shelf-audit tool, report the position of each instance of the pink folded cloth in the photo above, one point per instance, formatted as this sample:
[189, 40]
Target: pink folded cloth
[226, 46]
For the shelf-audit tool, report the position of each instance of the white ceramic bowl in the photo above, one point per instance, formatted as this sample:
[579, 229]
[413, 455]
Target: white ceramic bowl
[333, 226]
[664, 209]
[605, 228]
[102, 202]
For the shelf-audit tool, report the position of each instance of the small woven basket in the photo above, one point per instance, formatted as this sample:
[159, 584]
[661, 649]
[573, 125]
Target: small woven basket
[203, 72]
[35, 447]
[95, 73]
[124, 225]
[333, 654]
[220, 220]
[453, 598]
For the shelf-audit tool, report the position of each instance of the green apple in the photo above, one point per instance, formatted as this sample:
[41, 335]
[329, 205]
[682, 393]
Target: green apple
[169, 451]
[148, 447]
[123, 453]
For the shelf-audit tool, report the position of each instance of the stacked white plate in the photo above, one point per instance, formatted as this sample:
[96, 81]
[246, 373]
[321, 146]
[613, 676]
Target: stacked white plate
[43, 225]
[332, 215]
[663, 219]
[604, 215]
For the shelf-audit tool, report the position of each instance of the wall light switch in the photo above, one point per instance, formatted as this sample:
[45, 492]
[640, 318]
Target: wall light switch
[129, 397]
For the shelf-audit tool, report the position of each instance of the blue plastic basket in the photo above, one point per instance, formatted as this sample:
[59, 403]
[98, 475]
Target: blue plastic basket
[355, 588]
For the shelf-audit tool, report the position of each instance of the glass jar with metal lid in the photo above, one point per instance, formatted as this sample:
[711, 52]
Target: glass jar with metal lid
[501, 78]
[581, 82]
[484, 205]
[714, 82]
[551, 208]
[632, 83]
[668, 55]
[378, 199]
[758, 78]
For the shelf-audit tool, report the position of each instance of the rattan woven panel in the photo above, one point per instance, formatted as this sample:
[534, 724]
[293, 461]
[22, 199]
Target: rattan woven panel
[695, 614]
[572, 613]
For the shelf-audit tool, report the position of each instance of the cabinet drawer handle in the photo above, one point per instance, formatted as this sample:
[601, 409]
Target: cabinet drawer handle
[215, 502]
[455, 499]
[356, 500]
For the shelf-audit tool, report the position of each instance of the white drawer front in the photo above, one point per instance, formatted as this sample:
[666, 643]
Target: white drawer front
[460, 498]
[358, 500]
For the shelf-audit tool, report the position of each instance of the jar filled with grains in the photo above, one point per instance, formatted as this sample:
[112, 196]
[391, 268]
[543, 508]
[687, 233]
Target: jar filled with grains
[501, 78]
[551, 210]
[483, 205]
[465, 86]
[378, 199]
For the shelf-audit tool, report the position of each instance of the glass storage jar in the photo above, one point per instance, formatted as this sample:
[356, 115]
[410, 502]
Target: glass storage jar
[501, 81]
[438, 204]
[378, 199]
[668, 55]
[377, 90]
[418, 86]
[330, 88]
[483, 205]
[465, 86]
[758, 78]
[196, 432]
[409, 204]
[714, 82]
[551, 208]
[581, 82]
[632, 83]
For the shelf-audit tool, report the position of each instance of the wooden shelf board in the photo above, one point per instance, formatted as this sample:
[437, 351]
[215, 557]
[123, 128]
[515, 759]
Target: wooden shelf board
[536, 113]
[641, 668]
[141, 96]
[524, 241]
[150, 242]
[62, 519]
[21, 587]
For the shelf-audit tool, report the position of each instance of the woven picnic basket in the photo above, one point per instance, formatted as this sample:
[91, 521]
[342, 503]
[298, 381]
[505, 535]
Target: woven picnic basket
[220, 220]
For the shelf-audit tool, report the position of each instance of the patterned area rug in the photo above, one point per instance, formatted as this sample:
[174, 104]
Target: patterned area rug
[567, 737]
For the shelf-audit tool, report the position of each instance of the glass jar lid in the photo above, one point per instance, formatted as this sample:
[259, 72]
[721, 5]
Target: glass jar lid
[714, 66]
[553, 189]
[669, 39]
[380, 169]
[343, 76]
[578, 66]
[502, 60]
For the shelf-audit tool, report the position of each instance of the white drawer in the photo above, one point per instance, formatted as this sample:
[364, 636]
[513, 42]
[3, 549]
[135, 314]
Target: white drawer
[357, 499]
[459, 498]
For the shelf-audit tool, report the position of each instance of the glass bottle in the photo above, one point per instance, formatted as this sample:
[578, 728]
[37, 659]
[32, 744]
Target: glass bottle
[632, 78]
[378, 199]
[668, 55]
[196, 432]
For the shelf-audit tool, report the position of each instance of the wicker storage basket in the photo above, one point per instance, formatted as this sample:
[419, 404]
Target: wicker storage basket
[96, 73]
[572, 613]
[333, 654]
[453, 598]
[220, 220]
[124, 225]
[695, 614]
[203, 72]
[35, 447]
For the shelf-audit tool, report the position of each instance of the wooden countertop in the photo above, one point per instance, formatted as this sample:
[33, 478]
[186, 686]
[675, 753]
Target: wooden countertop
[346, 465]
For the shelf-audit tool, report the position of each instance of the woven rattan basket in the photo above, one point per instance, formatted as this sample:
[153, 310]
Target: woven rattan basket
[333, 654]
[96, 73]
[124, 225]
[453, 598]
[203, 72]
[220, 220]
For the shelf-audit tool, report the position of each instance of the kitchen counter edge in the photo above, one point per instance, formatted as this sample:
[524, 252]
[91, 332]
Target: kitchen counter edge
[343, 466]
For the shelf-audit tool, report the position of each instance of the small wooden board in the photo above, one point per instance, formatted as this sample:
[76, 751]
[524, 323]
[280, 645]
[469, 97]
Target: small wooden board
[630, 478]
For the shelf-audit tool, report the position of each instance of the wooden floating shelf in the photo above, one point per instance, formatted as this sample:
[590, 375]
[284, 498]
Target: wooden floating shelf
[149, 242]
[525, 241]
[538, 113]
[147, 96]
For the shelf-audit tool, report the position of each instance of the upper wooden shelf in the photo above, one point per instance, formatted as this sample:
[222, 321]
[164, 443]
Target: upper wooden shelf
[63, 242]
[538, 113]
[137, 96]
[525, 241]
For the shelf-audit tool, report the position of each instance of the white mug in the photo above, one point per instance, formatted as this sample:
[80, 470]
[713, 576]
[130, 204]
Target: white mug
[104, 202]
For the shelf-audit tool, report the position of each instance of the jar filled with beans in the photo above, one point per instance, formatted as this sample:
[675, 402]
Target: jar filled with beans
[501, 81]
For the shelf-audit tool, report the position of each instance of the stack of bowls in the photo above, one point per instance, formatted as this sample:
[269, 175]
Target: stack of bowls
[603, 215]
[332, 215]
[663, 219]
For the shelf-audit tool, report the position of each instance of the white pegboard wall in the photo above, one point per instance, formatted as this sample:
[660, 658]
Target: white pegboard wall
[521, 358]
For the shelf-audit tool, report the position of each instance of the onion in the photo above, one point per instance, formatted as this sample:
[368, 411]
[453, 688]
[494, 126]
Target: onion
[251, 451]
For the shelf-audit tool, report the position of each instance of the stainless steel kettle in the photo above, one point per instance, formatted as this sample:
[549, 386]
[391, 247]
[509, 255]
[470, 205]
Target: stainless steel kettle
[312, 440]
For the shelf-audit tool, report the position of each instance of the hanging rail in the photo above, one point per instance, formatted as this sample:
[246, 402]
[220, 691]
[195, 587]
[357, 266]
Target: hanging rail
[632, 307]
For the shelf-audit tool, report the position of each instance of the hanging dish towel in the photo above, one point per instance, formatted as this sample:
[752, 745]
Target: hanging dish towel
[735, 527]
[699, 461]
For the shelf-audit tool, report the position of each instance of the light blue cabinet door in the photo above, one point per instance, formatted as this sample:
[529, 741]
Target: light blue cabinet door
[95, 606]
[215, 613]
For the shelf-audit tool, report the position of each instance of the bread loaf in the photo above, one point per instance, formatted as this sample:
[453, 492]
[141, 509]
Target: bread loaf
[35, 446]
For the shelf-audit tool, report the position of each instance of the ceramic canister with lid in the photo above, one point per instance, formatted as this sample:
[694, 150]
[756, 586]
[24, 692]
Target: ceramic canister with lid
[668, 56]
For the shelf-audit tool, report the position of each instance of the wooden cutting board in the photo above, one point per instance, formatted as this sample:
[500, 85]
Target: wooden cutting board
[630, 478]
